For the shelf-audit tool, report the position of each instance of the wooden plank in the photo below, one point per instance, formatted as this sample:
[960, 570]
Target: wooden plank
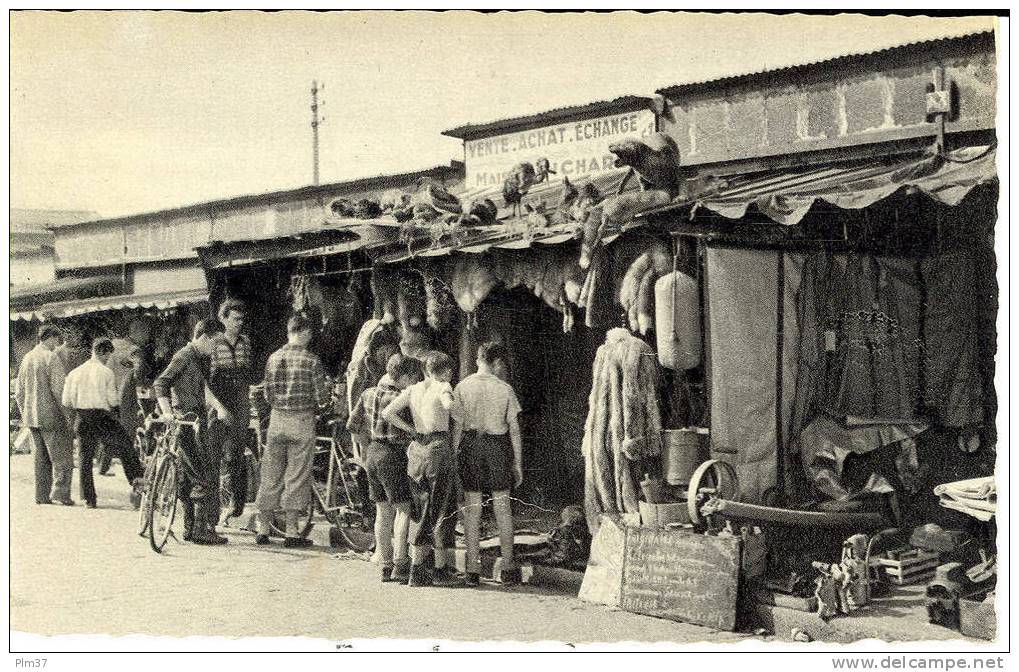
[681, 576]
[603, 576]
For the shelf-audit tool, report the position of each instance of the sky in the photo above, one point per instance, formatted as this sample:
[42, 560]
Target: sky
[127, 112]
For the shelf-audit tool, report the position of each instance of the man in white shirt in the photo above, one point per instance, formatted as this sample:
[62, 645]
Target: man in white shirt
[91, 390]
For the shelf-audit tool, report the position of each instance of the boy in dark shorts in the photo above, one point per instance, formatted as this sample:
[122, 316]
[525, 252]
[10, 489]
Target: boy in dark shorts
[489, 447]
[385, 460]
[432, 471]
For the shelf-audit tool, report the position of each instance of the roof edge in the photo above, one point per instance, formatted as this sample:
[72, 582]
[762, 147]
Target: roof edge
[526, 122]
[455, 168]
[974, 38]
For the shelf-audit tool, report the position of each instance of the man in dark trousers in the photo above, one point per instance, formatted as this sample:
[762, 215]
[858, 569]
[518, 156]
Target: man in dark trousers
[38, 391]
[91, 391]
[185, 378]
[230, 379]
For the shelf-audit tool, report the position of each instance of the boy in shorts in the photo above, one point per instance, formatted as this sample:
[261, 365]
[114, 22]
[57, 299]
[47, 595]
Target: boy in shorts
[489, 449]
[432, 471]
[385, 460]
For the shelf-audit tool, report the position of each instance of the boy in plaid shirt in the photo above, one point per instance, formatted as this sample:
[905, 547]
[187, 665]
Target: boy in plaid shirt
[385, 460]
[295, 388]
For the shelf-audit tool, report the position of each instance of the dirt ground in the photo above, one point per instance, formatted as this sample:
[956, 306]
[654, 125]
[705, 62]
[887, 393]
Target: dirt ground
[81, 571]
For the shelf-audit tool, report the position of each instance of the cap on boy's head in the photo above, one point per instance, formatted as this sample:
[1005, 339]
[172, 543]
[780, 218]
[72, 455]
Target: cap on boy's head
[102, 346]
[438, 362]
[208, 327]
[49, 331]
[491, 352]
[297, 323]
[400, 365]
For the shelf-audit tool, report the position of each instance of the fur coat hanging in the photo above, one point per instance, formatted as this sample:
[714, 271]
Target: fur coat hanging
[623, 415]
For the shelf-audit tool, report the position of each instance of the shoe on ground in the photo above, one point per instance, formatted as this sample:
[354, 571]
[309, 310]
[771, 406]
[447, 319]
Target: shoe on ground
[386, 574]
[472, 579]
[511, 577]
[207, 538]
[44, 501]
[297, 542]
[67, 502]
[262, 539]
[92, 505]
[447, 577]
[401, 571]
[420, 575]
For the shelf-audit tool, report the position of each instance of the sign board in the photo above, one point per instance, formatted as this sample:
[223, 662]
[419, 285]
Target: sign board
[681, 576]
[574, 149]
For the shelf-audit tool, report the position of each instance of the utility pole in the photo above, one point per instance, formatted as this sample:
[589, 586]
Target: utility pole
[315, 123]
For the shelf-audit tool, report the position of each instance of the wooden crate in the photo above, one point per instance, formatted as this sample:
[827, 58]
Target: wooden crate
[915, 567]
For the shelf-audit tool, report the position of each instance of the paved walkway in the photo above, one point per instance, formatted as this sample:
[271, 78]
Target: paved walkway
[75, 570]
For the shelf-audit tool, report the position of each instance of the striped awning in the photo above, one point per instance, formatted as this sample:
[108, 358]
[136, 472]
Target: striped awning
[156, 301]
[786, 196]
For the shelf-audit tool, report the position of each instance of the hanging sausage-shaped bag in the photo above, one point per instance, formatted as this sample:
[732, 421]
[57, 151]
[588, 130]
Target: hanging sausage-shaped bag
[678, 321]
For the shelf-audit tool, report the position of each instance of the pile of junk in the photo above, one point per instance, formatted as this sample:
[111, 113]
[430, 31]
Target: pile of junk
[862, 511]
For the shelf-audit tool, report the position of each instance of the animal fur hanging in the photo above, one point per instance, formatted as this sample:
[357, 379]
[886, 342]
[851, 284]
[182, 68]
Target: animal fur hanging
[385, 287]
[637, 295]
[623, 425]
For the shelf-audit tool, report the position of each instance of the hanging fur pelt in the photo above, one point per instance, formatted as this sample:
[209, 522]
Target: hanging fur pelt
[385, 287]
[623, 419]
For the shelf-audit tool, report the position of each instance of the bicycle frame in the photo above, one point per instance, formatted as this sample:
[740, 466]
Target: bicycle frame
[329, 444]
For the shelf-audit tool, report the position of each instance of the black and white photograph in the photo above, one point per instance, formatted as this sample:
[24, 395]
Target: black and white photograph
[526, 331]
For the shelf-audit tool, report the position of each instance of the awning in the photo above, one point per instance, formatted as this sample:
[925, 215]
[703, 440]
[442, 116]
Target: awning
[226, 254]
[30, 296]
[157, 301]
[787, 196]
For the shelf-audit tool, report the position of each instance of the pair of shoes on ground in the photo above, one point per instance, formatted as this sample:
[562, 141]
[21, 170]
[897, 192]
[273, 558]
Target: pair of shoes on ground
[288, 542]
[443, 577]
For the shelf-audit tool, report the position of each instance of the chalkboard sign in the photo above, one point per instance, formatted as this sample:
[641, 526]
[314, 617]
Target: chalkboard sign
[681, 576]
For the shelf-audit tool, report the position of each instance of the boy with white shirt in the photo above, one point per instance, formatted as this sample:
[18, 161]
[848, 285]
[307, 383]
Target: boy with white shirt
[91, 390]
[489, 447]
[431, 467]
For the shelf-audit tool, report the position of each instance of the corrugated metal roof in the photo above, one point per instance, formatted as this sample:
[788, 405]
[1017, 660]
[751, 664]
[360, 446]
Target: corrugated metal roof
[454, 170]
[31, 220]
[474, 131]
[36, 294]
[828, 62]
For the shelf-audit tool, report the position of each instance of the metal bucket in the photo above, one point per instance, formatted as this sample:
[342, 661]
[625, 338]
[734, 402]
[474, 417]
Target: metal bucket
[682, 452]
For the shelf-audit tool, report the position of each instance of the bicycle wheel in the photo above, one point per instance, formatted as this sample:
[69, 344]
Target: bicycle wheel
[304, 521]
[145, 506]
[163, 505]
[355, 522]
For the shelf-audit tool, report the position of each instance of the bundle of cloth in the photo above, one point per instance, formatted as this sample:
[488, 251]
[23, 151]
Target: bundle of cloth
[623, 425]
[977, 497]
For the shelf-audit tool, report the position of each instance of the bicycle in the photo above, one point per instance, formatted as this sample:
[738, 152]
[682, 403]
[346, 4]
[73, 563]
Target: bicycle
[164, 491]
[146, 443]
[337, 494]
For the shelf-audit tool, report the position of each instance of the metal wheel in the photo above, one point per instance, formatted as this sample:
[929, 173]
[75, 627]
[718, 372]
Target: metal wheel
[151, 463]
[711, 478]
[163, 505]
[355, 521]
[304, 521]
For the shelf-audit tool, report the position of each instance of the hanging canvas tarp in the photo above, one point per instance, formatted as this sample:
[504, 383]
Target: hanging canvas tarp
[753, 364]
